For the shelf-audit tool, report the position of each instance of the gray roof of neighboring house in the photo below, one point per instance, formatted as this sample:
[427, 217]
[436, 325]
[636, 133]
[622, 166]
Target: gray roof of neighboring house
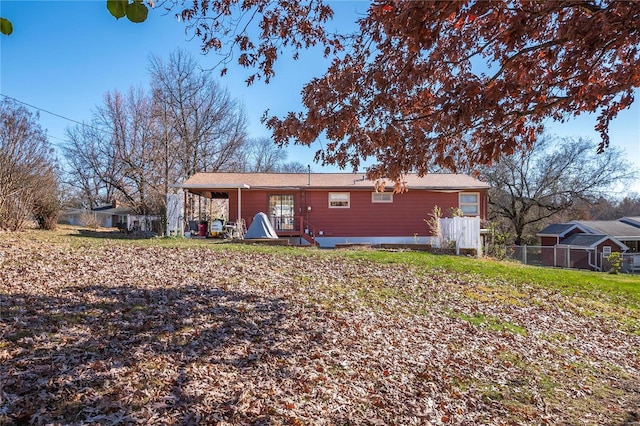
[108, 210]
[103, 210]
[616, 228]
[631, 220]
[434, 181]
[557, 230]
[589, 240]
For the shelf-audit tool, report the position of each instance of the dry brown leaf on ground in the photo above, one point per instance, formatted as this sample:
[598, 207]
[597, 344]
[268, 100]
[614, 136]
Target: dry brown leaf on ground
[124, 333]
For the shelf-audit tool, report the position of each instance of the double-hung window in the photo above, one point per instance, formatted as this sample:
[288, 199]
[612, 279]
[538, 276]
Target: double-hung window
[469, 203]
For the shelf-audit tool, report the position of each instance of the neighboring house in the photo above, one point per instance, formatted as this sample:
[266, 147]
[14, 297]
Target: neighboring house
[623, 230]
[106, 216]
[110, 216]
[332, 208]
[588, 244]
[72, 216]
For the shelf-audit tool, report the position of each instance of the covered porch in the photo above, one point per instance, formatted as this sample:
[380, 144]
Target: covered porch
[202, 204]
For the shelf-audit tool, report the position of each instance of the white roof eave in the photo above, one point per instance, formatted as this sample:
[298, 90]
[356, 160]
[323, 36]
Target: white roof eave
[211, 186]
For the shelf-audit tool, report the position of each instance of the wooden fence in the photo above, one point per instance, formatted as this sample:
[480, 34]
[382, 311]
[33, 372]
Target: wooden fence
[464, 232]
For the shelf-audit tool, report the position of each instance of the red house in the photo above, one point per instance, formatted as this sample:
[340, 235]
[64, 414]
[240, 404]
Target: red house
[331, 208]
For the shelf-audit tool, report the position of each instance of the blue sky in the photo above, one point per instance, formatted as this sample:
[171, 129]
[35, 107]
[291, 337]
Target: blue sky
[63, 56]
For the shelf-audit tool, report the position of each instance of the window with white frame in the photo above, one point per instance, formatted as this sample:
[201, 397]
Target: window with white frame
[606, 251]
[382, 197]
[469, 203]
[339, 200]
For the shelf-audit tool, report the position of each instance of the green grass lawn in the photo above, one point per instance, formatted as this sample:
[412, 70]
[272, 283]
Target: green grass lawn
[620, 288]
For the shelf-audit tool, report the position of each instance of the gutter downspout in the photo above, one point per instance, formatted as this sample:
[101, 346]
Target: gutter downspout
[595, 267]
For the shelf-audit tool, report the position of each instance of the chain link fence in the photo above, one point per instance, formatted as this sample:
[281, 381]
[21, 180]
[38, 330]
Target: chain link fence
[570, 257]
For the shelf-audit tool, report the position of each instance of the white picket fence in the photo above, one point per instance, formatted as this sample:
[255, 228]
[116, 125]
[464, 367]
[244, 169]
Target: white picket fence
[464, 231]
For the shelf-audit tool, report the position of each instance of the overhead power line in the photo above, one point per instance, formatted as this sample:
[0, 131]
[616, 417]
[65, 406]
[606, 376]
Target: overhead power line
[53, 113]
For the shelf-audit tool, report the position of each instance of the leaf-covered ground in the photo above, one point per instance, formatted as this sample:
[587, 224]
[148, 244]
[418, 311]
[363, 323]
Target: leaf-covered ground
[127, 333]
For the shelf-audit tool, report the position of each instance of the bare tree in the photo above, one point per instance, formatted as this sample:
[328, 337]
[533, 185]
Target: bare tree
[263, 156]
[607, 208]
[168, 148]
[119, 154]
[87, 163]
[85, 166]
[26, 166]
[134, 143]
[294, 167]
[532, 186]
[209, 125]
[139, 144]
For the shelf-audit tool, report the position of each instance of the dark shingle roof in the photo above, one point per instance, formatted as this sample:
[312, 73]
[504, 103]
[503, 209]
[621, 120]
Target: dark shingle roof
[557, 229]
[590, 240]
[583, 240]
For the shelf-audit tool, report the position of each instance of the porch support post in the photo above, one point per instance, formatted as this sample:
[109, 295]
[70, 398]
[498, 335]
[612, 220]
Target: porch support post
[185, 212]
[239, 205]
